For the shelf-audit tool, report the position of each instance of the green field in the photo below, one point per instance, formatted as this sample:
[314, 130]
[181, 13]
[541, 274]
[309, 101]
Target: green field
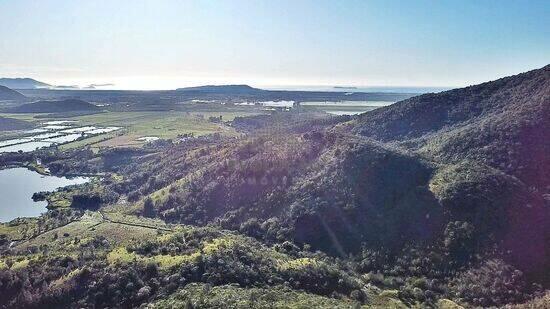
[88, 141]
[165, 125]
[162, 124]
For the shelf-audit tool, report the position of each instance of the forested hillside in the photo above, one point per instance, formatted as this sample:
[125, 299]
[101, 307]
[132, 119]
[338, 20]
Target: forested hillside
[439, 200]
[504, 124]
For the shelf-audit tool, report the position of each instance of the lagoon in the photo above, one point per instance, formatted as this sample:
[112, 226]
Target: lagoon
[17, 186]
[52, 133]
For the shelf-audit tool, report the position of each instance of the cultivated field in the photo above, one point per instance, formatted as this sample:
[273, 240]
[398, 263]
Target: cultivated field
[136, 125]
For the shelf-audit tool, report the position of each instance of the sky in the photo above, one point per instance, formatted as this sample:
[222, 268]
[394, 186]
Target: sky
[166, 44]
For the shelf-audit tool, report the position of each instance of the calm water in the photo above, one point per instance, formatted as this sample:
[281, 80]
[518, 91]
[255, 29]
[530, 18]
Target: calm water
[346, 107]
[348, 103]
[14, 141]
[17, 186]
[53, 132]
[64, 138]
[147, 139]
[26, 147]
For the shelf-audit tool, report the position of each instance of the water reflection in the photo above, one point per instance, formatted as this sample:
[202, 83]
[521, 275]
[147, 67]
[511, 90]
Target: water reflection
[17, 186]
[52, 132]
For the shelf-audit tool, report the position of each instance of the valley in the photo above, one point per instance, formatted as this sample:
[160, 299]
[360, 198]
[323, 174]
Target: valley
[421, 203]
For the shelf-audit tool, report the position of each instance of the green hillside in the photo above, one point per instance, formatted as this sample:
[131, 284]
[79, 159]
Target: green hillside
[437, 201]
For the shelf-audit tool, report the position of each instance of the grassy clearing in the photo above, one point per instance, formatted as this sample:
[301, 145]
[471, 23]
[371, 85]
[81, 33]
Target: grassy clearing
[142, 221]
[20, 264]
[24, 116]
[162, 124]
[68, 239]
[125, 140]
[200, 295]
[165, 125]
[59, 282]
[121, 255]
[62, 238]
[218, 244]
[171, 261]
[59, 199]
[88, 141]
[299, 264]
[123, 234]
[18, 230]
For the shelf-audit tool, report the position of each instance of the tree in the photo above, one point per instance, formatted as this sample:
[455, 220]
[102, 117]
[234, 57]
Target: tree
[148, 208]
[459, 239]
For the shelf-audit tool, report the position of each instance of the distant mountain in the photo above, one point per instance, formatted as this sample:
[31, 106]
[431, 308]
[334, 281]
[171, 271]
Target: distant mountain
[8, 124]
[66, 87]
[70, 105]
[9, 94]
[23, 83]
[222, 89]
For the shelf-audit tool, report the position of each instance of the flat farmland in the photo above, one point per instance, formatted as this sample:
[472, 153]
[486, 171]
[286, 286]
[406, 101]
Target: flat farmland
[164, 125]
[135, 125]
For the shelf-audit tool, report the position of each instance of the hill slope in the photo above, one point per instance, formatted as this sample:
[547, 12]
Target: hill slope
[69, 105]
[412, 198]
[8, 124]
[504, 123]
[492, 142]
[22, 83]
[477, 155]
[9, 94]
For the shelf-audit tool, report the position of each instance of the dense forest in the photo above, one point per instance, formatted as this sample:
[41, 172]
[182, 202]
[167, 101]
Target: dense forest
[441, 200]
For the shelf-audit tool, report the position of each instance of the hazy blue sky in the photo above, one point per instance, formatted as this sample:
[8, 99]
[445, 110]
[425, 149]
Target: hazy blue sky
[167, 44]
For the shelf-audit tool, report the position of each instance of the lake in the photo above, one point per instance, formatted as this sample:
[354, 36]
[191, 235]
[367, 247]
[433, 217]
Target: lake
[17, 186]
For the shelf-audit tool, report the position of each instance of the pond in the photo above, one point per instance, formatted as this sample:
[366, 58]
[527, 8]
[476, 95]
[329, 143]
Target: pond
[147, 139]
[26, 147]
[17, 186]
[52, 133]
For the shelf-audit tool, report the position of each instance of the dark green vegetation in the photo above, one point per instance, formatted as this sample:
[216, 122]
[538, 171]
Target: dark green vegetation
[9, 94]
[436, 201]
[9, 124]
[493, 142]
[63, 106]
